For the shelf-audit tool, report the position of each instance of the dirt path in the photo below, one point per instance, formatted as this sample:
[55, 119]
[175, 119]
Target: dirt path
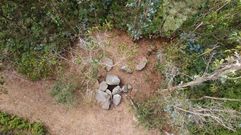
[32, 101]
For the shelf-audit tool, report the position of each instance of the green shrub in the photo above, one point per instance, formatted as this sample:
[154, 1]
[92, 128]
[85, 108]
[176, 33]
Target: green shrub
[37, 67]
[206, 41]
[10, 124]
[219, 30]
[63, 92]
[220, 26]
[160, 112]
[31, 30]
[117, 12]
[159, 17]
[33, 34]
[211, 130]
[150, 113]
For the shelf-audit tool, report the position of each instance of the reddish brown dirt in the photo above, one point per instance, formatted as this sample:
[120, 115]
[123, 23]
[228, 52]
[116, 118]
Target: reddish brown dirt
[33, 101]
[145, 82]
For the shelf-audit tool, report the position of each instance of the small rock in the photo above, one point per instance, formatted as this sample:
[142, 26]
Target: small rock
[101, 96]
[108, 63]
[116, 99]
[112, 79]
[116, 90]
[103, 99]
[106, 105]
[142, 64]
[126, 69]
[108, 92]
[126, 88]
[103, 86]
[129, 87]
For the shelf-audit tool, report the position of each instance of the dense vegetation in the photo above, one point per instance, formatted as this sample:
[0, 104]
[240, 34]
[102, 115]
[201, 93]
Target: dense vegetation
[206, 41]
[14, 125]
[33, 33]
[206, 35]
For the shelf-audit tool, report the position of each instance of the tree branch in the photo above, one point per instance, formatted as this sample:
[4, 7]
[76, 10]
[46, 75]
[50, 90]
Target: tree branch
[223, 99]
[228, 68]
[218, 119]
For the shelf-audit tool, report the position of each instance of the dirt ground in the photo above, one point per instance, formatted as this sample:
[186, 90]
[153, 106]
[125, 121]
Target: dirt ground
[144, 82]
[32, 100]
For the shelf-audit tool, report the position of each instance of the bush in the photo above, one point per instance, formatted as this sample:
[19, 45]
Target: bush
[117, 12]
[37, 67]
[63, 92]
[10, 124]
[206, 41]
[31, 30]
[180, 115]
[159, 18]
[33, 34]
[212, 130]
[215, 39]
[150, 113]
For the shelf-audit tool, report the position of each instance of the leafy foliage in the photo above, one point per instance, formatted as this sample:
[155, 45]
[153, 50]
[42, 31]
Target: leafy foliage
[34, 33]
[150, 113]
[36, 67]
[207, 40]
[33, 30]
[118, 14]
[63, 92]
[10, 124]
[212, 130]
[214, 40]
[159, 17]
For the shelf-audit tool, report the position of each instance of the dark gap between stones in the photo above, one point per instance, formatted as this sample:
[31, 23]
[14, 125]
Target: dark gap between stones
[111, 87]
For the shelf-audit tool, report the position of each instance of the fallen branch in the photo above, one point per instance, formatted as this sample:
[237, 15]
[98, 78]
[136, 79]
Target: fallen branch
[226, 69]
[222, 99]
[208, 114]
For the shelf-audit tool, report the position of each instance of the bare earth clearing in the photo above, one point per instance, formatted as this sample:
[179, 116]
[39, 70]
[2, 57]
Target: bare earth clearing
[33, 101]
